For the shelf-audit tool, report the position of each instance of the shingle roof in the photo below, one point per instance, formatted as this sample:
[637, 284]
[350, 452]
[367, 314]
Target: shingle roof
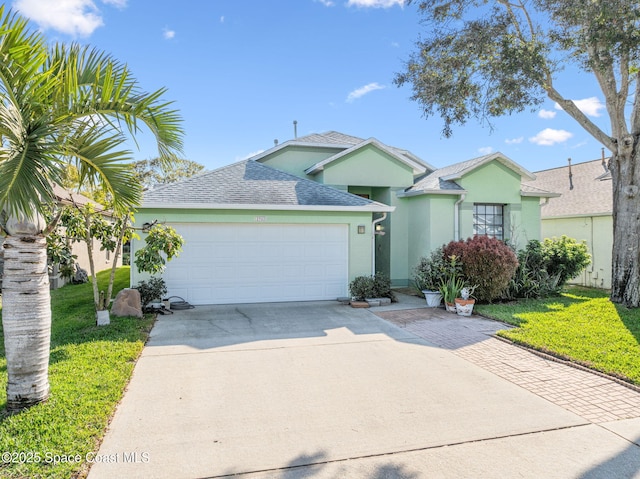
[335, 139]
[591, 194]
[250, 183]
[330, 138]
[443, 179]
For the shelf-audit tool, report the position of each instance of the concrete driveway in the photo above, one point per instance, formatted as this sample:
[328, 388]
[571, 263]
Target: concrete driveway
[322, 390]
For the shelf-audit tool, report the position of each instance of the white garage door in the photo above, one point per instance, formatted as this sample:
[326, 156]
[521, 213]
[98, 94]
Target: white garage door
[257, 263]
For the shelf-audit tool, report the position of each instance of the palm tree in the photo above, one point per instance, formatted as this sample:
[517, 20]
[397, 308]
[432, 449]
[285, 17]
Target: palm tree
[59, 105]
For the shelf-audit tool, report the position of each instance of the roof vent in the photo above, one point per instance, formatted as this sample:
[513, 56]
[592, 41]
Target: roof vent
[570, 175]
[604, 163]
[275, 142]
[295, 129]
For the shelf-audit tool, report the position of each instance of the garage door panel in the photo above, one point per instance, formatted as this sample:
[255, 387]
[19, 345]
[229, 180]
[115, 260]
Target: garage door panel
[235, 263]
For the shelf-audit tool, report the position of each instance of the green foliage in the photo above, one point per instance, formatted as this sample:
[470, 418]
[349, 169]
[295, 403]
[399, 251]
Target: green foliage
[364, 287]
[565, 257]
[157, 171]
[161, 240]
[487, 264]
[429, 273]
[582, 325]
[151, 290]
[451, 282]
[532, 279]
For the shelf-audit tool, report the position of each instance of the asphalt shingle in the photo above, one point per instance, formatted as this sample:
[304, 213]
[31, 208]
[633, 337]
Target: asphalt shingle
[591, 193]
[250, 183]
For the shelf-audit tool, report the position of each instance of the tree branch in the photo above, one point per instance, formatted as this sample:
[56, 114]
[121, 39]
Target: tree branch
[573, 111]
[635, 112]
[603, 71]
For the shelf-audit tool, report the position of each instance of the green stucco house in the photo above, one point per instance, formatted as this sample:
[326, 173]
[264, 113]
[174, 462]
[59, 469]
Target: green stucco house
[301, 220]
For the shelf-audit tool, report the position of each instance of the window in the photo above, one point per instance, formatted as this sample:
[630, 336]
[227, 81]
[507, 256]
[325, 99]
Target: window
[488, 220]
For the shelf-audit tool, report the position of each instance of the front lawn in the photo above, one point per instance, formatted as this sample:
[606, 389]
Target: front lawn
[581, 325]
[89, 368]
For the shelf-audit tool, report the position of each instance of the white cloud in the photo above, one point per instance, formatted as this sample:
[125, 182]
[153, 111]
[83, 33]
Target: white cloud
[375, 3]
[514, 141]
[222, 19]
[73, 17]
[547, 114]
[326, 3]
[485, 150]
[358, 92]
[168, 34]
[549, 137]
[588, 106]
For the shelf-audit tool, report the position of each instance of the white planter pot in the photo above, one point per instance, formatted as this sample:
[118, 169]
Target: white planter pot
[433, 298]
[464, 307]
[102, 317]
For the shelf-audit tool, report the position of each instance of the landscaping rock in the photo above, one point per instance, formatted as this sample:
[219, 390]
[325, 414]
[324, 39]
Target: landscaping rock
[80, 276]
[127, 303]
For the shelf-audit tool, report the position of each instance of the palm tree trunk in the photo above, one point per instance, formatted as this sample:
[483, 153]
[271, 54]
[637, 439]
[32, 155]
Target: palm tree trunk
[26, 319]
[625, 279]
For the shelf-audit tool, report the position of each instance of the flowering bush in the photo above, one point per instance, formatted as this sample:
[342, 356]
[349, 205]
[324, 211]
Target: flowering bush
[487, 263]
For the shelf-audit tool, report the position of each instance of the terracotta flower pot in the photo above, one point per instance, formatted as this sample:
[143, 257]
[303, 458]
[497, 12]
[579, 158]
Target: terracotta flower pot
[464, 307]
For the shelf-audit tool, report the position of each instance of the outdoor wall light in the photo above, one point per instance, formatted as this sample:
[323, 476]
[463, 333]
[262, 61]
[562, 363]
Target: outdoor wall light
[379, 228]
[361, 229]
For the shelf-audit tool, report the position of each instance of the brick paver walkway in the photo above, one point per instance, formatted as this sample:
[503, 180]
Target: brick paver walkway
[593, 397]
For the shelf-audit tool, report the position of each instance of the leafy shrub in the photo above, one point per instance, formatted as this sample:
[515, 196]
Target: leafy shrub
[531, 279]
[378, 286]
[155, 288]
[565, 257]
[429, 273]
[487, 263]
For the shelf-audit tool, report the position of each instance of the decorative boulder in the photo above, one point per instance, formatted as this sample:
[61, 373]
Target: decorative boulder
[80, 276]
[127, 303]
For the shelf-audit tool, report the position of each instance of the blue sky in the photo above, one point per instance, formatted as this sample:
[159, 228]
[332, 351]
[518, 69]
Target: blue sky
[241, 71]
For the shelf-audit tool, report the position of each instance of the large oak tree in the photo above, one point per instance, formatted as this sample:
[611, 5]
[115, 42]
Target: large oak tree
[487, 58]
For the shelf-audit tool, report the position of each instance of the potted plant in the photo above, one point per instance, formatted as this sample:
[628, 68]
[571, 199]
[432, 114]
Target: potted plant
[464, 304]
[450, 290]
[451, 283]
[428, 275]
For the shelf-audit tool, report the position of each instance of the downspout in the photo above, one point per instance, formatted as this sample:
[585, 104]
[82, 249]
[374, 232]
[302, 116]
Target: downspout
[456, 217]
[373, 241]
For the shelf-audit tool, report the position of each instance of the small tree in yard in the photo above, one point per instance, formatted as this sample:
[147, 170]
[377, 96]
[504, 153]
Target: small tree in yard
[496, 57]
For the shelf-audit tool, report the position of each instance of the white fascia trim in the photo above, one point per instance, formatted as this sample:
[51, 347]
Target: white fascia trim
[540, 195]
[417, 168]
[280, 146]
[407, 194]
[581, 215]
[372, 208]
[506, 161]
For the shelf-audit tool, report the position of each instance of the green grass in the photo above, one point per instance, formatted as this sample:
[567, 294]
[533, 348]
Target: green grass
[581, 325]
[89, 368]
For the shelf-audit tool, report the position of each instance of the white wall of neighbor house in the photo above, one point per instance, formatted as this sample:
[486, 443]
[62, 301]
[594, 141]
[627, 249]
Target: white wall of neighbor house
[597, 232]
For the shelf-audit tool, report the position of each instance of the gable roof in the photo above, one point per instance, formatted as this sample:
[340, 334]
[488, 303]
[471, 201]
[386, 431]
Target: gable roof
[591, 194]
[418, 167]
[347, 143]
[442, 180]
[252, 185]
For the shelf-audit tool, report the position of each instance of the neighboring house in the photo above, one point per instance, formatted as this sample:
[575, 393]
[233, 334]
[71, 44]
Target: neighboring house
[304, 218]
[102, 259]
[584, 211]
